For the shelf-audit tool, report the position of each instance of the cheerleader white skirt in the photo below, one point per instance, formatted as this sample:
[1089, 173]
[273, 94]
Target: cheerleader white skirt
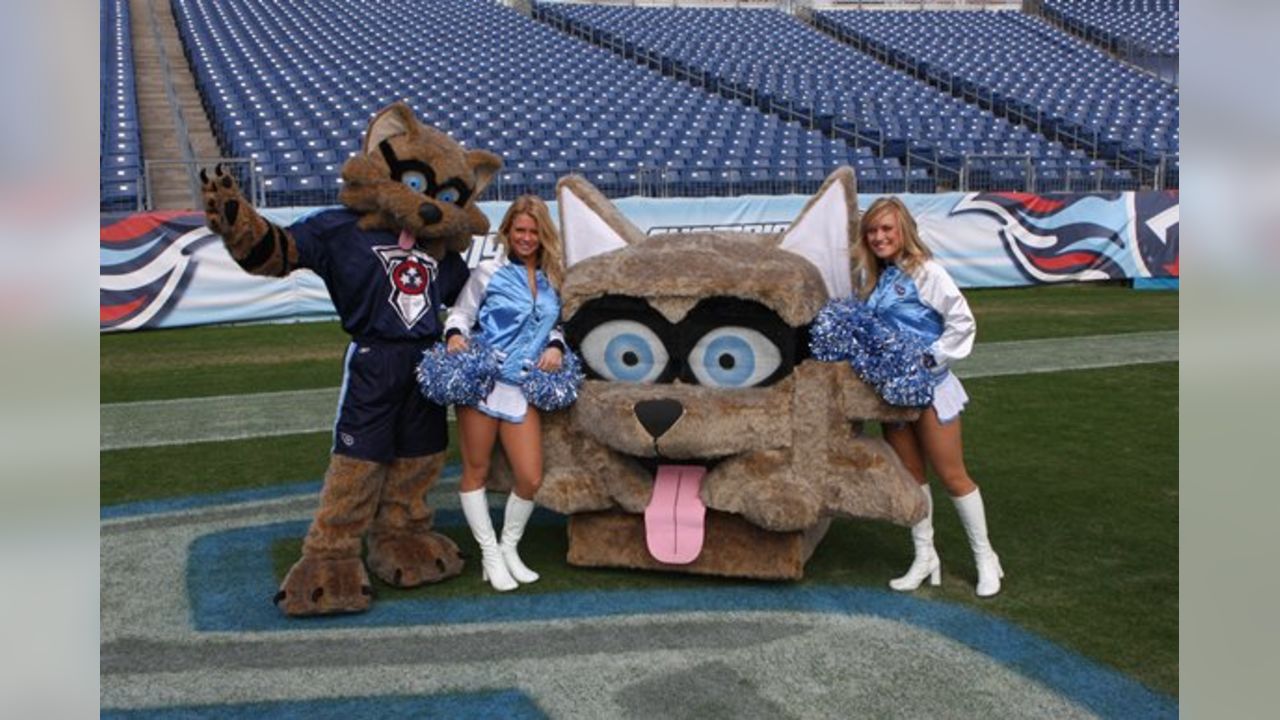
[505, 402]
[949, 398]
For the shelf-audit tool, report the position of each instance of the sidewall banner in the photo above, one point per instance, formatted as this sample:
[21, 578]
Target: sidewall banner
[165, 269]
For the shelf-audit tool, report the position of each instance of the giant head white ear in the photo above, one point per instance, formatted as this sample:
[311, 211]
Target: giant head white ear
[825, 229]
[589, 224]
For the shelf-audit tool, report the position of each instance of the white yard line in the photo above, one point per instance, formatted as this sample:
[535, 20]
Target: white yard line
[237, 417]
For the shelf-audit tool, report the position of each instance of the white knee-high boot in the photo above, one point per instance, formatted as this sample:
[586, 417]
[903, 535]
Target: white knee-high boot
[517, 515]
[475, 507]
[974, 518]
[926, 564]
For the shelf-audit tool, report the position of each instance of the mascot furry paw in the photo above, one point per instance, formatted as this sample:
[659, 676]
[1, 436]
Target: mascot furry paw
[705, 439]
[391, 260]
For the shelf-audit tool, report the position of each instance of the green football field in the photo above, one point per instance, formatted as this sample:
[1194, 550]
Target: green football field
[1078, 469]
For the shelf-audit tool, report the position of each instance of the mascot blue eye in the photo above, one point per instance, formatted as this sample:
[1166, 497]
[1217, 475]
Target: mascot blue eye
[625, 351]
[448, 195]
[734, 357]
[416, 181]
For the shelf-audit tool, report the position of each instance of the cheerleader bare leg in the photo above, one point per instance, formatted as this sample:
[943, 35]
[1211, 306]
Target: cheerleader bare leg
[943, 447]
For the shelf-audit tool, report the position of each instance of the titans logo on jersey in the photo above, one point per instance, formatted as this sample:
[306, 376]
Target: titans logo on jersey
[411, 273]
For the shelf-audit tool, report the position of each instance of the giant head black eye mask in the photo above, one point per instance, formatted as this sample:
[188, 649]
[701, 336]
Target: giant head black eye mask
[722, 342]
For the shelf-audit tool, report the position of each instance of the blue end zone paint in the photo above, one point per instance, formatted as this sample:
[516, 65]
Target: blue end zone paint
[504, 704]
[152, 507]
[230, 584]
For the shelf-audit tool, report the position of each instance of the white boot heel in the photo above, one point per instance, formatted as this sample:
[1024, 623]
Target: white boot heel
[496, 578]
[925, 566]
[493, 570]
[989, 575]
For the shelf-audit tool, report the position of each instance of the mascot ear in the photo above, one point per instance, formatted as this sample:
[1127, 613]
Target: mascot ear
[395, 119]
[484, 165]
[589, 223]
[825, 229]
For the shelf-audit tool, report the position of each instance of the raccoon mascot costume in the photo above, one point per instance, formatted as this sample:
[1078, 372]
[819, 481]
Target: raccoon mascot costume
[391, 261]
[705, 438]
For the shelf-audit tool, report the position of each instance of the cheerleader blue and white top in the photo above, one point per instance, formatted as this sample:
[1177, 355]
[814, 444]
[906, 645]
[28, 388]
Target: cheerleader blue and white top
[497, 303]
[927, 303]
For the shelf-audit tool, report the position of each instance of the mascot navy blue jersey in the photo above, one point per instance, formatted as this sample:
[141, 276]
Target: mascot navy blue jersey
[381, 292]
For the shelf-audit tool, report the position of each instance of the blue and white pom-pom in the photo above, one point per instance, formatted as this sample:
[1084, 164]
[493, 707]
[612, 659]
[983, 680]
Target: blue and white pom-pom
[462, 378]
[551, 391]
[889, 361]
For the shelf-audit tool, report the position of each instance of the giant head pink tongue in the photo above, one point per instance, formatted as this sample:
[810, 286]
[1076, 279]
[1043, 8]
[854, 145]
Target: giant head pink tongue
[407, 240]
[674, 520]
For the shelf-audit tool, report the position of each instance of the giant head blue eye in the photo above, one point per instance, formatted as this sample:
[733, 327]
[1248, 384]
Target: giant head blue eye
[448, 195]
[625, 351]
[734, 357]
[416, 181]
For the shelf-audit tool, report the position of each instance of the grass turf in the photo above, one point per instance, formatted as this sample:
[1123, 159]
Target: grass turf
[223, 360]
[172, 471]
[1079, 476]
[210, 468]
[1070, 311]
[201, 362]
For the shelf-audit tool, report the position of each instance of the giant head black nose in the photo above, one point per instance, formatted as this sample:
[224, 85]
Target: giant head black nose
[430, 213]
[657, 416]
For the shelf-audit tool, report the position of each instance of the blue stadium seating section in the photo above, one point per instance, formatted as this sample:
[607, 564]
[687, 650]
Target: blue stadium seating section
[1150, 25]
[687, 101]
[120, 144]
[791, 69]
[1024, 69]
[293, 85]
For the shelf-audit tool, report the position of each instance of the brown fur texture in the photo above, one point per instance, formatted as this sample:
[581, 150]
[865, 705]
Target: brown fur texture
[258, 246]
[387, 204]
[402, 549]
[330, 577]
[616, 539]
[787, 454]
[738, 265]
[388, 501]
[782, 459]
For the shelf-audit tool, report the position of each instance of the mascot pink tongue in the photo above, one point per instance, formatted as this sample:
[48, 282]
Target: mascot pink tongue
[674, 519]
[407, 240]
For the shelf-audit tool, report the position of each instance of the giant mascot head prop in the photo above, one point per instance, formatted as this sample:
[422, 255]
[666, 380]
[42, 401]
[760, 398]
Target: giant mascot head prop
[705, 439]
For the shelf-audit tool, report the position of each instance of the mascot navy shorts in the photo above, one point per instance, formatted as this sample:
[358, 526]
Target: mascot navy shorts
[381, 414]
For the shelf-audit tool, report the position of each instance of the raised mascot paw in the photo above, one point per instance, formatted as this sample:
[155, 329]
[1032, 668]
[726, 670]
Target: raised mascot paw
[223, 202]
[406, 560]
[325, 587]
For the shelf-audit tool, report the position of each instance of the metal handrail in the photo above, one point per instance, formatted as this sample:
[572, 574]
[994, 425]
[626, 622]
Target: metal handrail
[175, 107]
